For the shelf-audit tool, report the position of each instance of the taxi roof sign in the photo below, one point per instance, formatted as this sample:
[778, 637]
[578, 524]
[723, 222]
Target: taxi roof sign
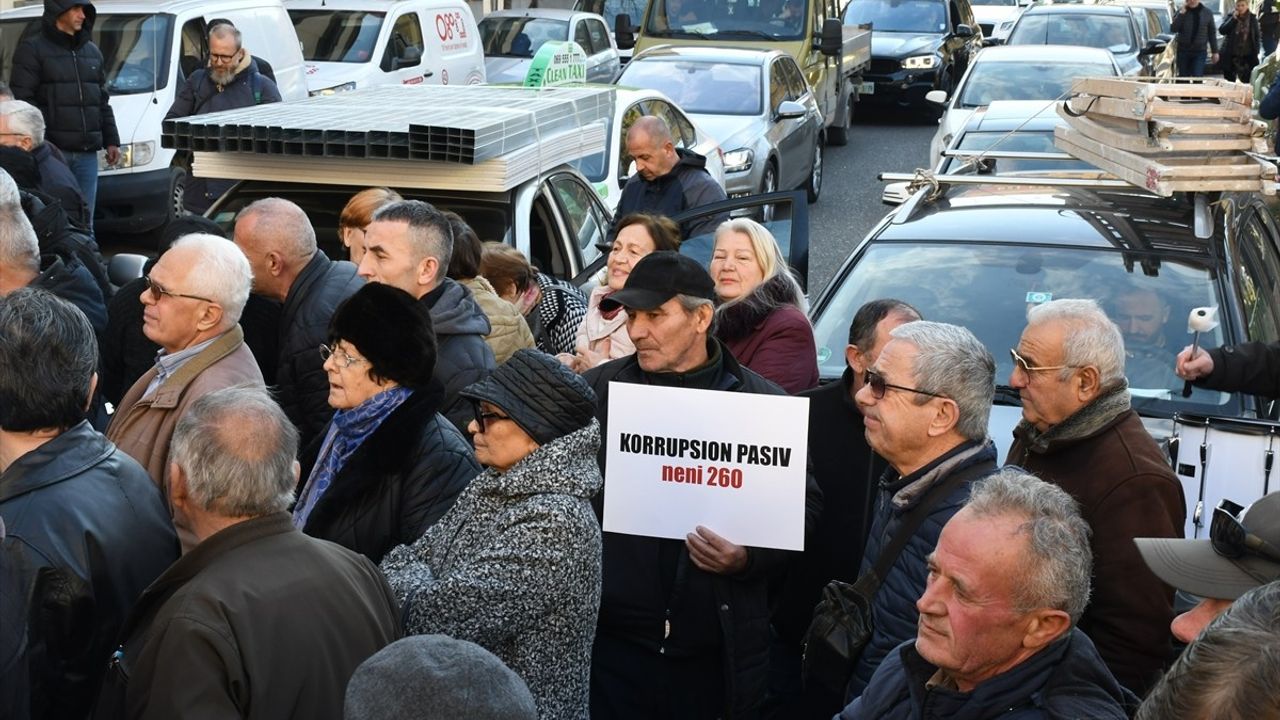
[557, 63]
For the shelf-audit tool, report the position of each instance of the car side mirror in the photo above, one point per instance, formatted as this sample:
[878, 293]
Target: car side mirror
[895, 194]
[409, 57]
[937, 97]
[124, 268]
[963, 31]
[832, 41]
[992, 42]
[623, 32]
[1154, 46]
[789, 109]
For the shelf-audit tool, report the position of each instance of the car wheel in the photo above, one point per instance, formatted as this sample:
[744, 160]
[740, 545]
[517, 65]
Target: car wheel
[839, 134]
[768, 184]
[814, 188]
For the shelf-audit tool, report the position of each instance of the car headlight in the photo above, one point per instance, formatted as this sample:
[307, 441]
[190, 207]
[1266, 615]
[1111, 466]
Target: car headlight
[344, 87]
[131, 155]
[738, 160]
[920, 62]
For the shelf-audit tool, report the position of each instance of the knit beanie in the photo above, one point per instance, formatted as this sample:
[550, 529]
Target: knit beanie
[545, 398]
[435, 677]
[391, 330]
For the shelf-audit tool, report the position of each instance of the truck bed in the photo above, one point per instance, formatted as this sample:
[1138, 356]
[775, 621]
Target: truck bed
[857, 49]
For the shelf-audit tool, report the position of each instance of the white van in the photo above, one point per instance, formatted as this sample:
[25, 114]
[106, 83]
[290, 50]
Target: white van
[358, 43]
[150, 47]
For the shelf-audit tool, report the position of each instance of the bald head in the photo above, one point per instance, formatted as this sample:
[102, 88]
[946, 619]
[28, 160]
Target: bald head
[277, 238]
[649, 143]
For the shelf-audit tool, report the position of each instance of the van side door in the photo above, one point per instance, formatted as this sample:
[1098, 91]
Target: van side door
[403, 56]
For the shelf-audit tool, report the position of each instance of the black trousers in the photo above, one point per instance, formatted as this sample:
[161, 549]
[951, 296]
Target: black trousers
[1238, 68]
[629, 682]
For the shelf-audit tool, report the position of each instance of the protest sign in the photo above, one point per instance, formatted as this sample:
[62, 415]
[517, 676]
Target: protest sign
[731, 462]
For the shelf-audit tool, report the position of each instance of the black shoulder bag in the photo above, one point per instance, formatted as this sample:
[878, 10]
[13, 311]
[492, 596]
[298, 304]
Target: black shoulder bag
[842, 623]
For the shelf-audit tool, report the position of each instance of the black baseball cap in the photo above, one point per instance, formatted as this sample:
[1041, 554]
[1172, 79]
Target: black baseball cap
[658, 277]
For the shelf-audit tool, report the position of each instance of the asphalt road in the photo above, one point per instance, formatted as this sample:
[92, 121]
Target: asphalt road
[850, 203]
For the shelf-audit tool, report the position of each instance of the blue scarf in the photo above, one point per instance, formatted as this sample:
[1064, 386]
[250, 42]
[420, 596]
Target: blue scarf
[349, 429]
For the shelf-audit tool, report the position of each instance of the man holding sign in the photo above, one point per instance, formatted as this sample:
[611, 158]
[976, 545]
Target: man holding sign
[684, 624]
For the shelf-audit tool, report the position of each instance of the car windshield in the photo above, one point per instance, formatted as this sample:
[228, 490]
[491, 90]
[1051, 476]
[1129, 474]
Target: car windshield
[710, 88]
[520, 37]
[349, 36]
[914, 16]
[1003, 3]
[987, 288]
[595, 167]
[135, 49]
[1010, 142]
[611, 9]
[1111, 32]
[991, 81]
[731, 20]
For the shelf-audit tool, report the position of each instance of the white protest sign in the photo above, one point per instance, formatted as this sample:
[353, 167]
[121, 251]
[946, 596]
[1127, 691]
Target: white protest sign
[731, 462]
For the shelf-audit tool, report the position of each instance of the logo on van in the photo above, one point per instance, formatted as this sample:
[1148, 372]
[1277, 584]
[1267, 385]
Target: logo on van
[449, 25]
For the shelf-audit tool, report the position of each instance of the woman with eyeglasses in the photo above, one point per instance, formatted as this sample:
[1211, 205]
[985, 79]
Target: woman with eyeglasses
[761, 318]
[389, 465]
[356, 216]
[515, 565]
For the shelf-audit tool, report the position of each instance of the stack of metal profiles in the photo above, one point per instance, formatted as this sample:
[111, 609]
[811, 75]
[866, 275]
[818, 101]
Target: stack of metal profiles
[467, 137]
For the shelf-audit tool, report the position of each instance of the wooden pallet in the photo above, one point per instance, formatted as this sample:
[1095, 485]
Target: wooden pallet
[1147, 136]
[1151, 89]
[1158, 109]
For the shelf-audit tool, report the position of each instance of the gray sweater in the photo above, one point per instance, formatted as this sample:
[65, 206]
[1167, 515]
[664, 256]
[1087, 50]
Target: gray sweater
[1194, 28]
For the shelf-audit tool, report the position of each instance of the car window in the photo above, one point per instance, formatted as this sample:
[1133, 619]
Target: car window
[583, 38]
[988, 288]
[736, 19]
[699, 87]
[787, 221]
[796, 86]
[1010, 142]
[1259, 271]
[681, 129]
[599, 36]
[919, 16]
[632, 114]
[404, 48]
[991, 81]
[192, 52]
[777, 85]
[520, 36]
[1111, 32]
[349, 36]
[135, 51]
[586, 222]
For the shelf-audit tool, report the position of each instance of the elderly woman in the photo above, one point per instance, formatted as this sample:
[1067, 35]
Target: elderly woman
[552, 308]
[515, 565]
[508, 331]
[602, 336]
[762, 318]
[389, 465]
[356, 216]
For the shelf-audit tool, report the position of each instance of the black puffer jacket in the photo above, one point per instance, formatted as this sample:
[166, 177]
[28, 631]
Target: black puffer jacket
[302, 384]
[87, 532]
[687, 186]
[57, 235]
[462, 355]
[1252, 368]
[65, 76]
[400, 481]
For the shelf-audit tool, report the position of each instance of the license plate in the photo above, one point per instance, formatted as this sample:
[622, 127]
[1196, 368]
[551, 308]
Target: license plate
[867, 88]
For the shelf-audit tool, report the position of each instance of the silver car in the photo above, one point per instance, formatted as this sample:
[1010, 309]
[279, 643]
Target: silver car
[512, 37]
[757, 103]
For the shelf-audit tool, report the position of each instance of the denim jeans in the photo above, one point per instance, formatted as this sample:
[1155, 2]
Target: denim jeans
[1191, 63]
[1268, 45]
[84, 165]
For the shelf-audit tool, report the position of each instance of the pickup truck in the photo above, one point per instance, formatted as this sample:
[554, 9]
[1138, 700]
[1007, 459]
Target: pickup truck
[832, 58]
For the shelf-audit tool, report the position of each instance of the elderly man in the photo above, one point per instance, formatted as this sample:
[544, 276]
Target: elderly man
[193, 299]
[22, 127]
[408, 245]
[258, 620]
[1241, 553]
[85, 529]
[287, 267]
[230, 81]
[925, 401]
[1078, 431]
[847, 471]
[1230, 671]
[667, 181]
[997, 637]
[683, 629]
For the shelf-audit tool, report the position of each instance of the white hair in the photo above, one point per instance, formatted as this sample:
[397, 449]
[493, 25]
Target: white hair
[1090, 338]
[221, 273]
[952, 362]
[8, 190]
[19, 246]
[24, 119]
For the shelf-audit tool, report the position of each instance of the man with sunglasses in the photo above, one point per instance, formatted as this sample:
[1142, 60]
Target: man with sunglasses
[1242, 553]
[230, 80]
[191, 308]
[1079, 432]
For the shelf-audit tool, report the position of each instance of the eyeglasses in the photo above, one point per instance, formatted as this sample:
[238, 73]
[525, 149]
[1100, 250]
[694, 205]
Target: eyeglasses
[215, 57]
[1028, 369]
[876, 382]
[157, 290]
[343, 358]
[1232, 540]
[485, 416]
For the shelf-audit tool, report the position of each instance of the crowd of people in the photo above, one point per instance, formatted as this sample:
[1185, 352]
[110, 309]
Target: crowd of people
[261, 482]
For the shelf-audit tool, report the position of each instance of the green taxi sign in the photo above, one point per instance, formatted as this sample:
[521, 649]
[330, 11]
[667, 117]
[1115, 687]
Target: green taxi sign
[557, 63]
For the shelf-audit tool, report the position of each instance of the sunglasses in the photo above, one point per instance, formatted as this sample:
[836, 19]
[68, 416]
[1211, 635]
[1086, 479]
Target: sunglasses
[157, 291]
[1027, 368]
[879, 387]
[483, 417]
[1232, 540]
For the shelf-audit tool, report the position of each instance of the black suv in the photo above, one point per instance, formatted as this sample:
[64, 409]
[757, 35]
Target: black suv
[916, 46]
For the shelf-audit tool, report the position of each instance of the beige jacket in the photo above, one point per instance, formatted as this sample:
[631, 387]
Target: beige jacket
[510, 330]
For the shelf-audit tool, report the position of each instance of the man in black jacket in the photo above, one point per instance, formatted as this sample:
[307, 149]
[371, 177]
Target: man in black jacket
[1252, 368]
[278, 239]
[86, 529]
[408, 245]
[1194, 27]
[684, 626]
[62, 72]
[667, 181]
